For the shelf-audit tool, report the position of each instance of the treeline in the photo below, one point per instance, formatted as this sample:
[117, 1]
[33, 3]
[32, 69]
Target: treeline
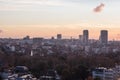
[68, 66]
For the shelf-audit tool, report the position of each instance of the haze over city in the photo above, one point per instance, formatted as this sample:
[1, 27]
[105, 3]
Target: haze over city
[46, 18]
[59, 40]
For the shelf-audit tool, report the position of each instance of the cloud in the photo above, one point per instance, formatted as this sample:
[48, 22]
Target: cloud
[32, 2]
[6, 5]
[99, 8]
[27, 4]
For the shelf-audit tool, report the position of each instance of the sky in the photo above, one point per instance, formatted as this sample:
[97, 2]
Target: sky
[46, 18]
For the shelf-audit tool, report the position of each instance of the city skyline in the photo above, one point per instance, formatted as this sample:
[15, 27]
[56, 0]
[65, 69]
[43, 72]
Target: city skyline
[46, 18]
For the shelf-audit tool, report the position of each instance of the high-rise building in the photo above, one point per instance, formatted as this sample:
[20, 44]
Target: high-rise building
[85, 36]
[81, 38]
[59, 36]
[104, 37]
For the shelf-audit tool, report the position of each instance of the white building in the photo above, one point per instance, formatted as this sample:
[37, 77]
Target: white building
[98, 73]
[106, 74]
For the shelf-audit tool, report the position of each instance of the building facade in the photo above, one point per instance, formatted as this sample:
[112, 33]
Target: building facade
[104, 37]
[85, 36]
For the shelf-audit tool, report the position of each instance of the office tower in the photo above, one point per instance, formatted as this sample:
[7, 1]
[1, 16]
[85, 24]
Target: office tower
[59, 36]
[81, 38]
[104, 37]
[85, 36]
